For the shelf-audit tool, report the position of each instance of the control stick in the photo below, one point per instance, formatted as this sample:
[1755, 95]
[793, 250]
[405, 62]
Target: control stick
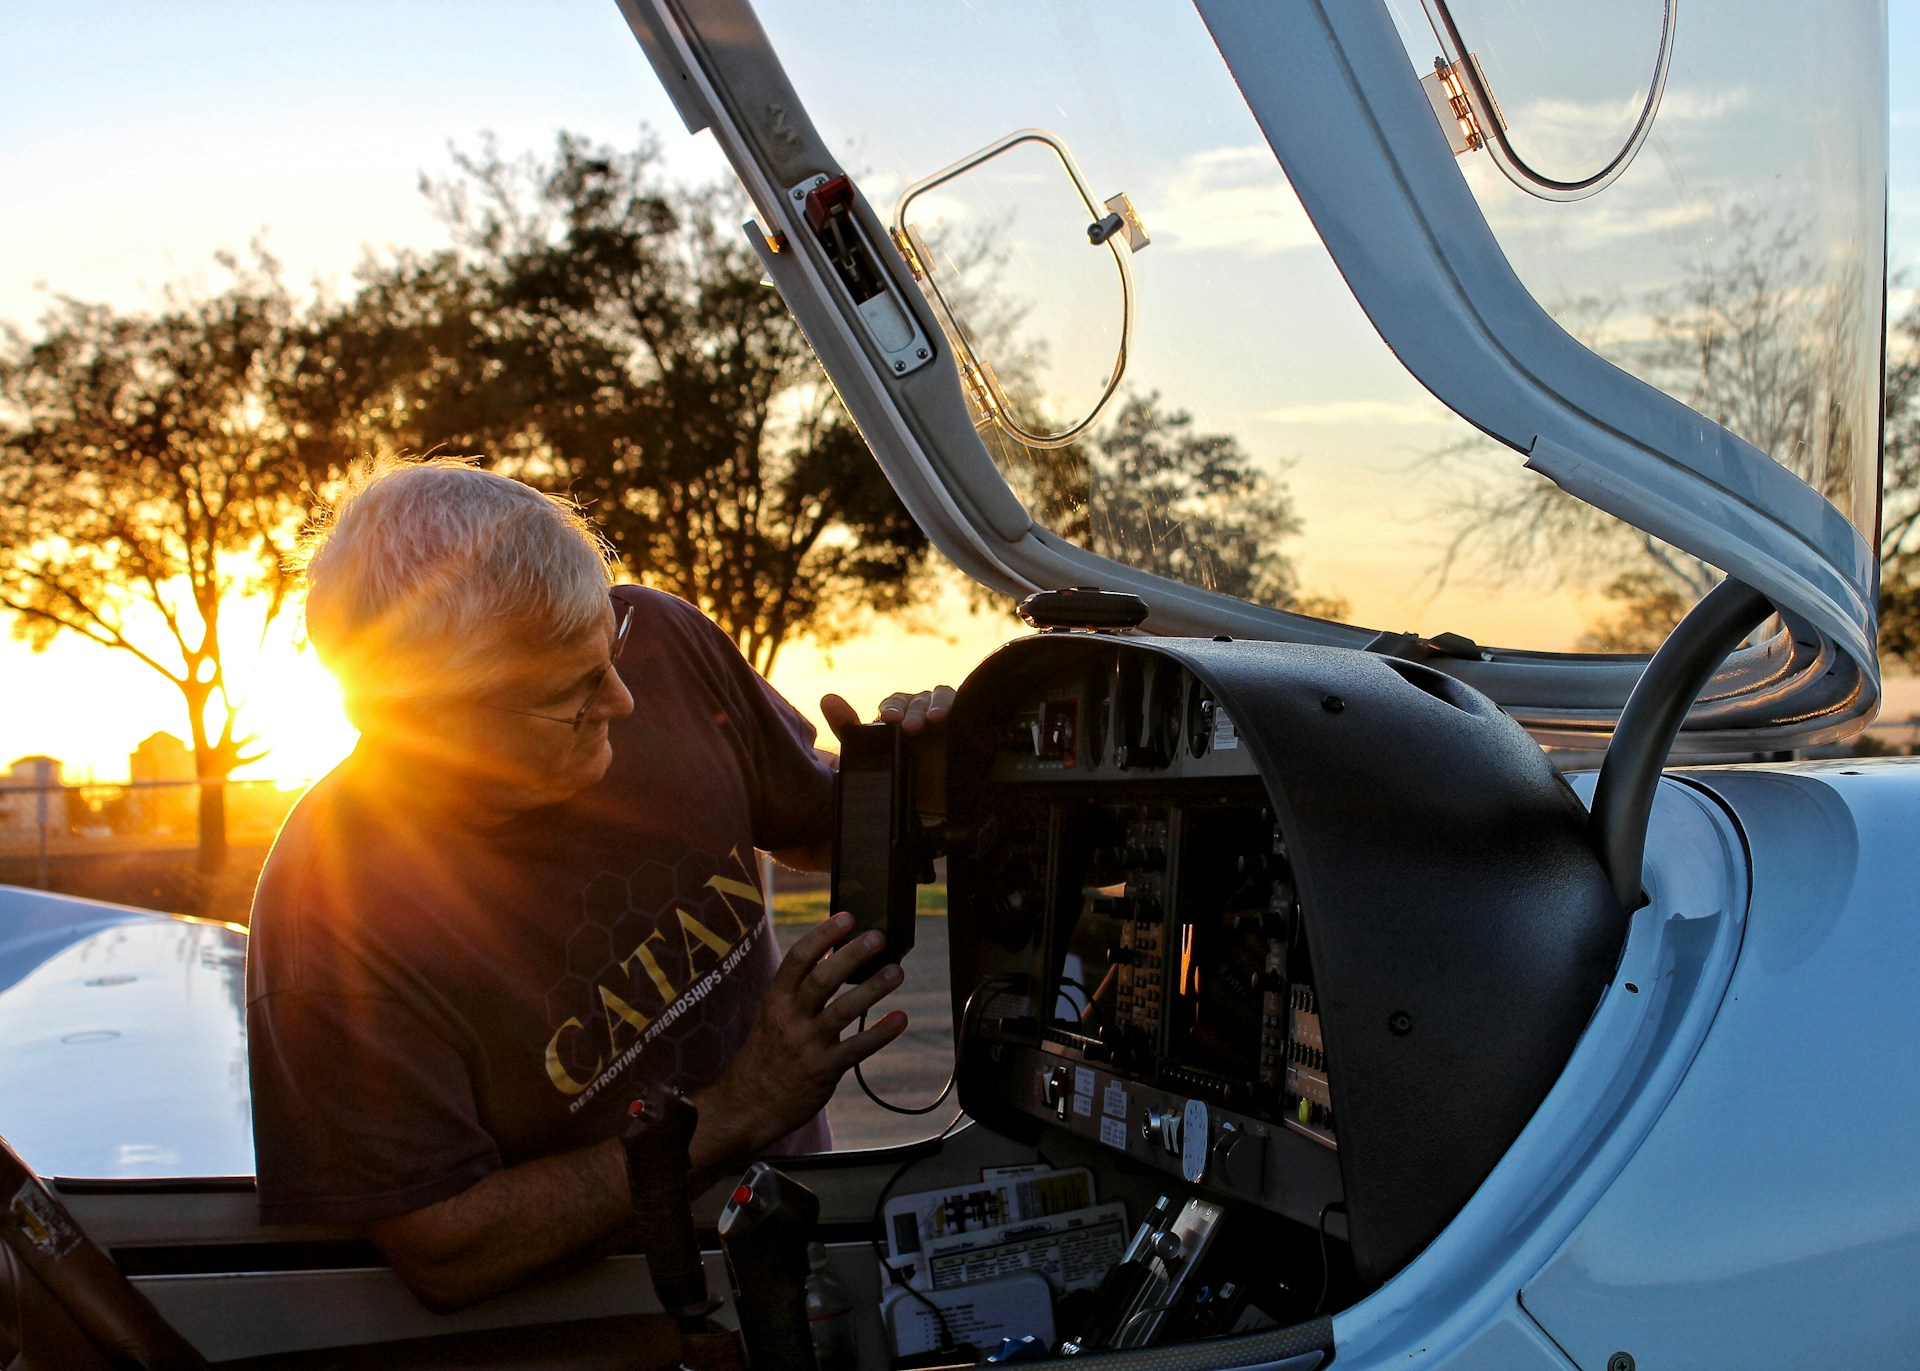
[765, 1228]
[656, 1144]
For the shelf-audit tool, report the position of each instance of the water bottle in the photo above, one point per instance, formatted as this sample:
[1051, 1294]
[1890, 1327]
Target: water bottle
[829, 1315]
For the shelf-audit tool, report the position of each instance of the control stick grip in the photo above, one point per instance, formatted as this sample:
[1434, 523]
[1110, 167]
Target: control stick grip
[765, 1228]
[656, 1144]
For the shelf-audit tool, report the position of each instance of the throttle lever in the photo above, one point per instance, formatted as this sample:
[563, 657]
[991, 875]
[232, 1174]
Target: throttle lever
[765, 1228]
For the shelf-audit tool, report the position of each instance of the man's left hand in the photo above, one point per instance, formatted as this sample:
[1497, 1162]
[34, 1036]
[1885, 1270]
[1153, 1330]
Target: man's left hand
[795, 1052]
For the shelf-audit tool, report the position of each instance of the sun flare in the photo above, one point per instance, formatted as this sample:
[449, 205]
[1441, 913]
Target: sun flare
[293, 707]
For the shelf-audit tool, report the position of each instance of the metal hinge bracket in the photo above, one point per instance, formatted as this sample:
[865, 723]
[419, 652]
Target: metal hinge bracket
[1454, 106]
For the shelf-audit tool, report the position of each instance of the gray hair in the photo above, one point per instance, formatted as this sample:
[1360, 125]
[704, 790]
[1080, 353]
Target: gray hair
[423, 570]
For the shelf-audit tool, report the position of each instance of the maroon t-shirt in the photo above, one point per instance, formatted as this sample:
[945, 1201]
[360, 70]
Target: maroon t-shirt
[428, 1003]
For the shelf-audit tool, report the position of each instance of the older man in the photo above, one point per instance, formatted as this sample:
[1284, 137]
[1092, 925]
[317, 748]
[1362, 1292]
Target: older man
[531, 888]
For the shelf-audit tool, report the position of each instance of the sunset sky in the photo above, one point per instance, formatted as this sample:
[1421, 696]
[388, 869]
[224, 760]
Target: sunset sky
[142, 139]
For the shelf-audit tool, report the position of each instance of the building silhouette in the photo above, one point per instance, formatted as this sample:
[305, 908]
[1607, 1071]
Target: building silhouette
[31, 800]
[163, 799]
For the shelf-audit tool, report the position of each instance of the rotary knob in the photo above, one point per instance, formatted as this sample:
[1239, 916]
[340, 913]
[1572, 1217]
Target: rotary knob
[1162, 1127]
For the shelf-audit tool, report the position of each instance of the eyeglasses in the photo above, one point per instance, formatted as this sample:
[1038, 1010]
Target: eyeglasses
[579, 716]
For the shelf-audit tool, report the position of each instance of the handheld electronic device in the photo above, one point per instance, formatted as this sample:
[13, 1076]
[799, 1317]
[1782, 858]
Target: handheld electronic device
[876, 838]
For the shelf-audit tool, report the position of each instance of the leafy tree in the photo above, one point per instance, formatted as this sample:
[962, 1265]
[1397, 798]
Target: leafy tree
[1650, 605]
[1188, 506]
[596, 330]
[152, 471]
[1147, 491]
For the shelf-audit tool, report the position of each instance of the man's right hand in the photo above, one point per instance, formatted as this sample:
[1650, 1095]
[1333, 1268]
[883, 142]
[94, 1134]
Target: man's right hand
[794, 1057]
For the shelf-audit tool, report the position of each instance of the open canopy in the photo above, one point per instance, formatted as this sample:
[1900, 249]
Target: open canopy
[1106, 290]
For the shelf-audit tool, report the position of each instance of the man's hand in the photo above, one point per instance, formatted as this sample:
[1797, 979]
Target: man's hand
[544, 1215]
[794, 1056]
[913, 712]
[922, 717]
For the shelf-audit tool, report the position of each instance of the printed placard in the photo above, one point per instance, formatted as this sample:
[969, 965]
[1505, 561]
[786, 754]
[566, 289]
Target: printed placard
[1072, 1250]
[1017, 1195]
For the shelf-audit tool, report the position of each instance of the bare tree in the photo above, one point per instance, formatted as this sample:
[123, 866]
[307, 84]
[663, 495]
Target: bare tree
[1900, 479]
[1749, 339]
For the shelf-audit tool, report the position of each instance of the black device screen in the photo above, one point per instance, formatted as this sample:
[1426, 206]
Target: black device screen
[875, 856]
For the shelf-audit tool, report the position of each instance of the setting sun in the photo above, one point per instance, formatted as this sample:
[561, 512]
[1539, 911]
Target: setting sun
[293, 708]
[89, 706]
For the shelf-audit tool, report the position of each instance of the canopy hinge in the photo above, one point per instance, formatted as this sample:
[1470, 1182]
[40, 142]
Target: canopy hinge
[1455, 108]
[905, 247]
[980, 387]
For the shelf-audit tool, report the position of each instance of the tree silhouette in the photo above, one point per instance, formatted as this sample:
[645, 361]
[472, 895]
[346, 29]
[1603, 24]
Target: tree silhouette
[596, 330]
[1147, 491]
[1188, 506]
[154, 468]
[1900, 480]
[1748, 338]
[1649, 606]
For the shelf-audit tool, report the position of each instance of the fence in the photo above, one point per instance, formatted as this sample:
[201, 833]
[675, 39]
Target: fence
[41, 823]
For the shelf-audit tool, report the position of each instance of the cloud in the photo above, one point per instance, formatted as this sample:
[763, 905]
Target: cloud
[1233, 199]
[1637, 206]
[1578, 119]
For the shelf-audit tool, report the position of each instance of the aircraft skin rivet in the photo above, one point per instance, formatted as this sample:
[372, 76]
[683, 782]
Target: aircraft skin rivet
[1400, 1023]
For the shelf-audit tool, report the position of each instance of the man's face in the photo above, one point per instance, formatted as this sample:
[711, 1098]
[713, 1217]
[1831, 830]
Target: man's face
[515, 748]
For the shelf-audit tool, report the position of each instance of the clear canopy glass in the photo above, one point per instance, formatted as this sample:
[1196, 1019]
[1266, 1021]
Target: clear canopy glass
[1738, 263]
[1262, 440]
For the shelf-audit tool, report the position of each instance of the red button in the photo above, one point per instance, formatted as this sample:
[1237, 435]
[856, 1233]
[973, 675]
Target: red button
[743, 1194]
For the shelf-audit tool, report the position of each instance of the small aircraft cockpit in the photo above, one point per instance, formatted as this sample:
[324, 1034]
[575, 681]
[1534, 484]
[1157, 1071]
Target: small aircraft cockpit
[1267, 909]
[1435, 444]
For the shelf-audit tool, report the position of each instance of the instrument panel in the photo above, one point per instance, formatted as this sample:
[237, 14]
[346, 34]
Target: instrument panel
[1168, 1002]
[1308, 930]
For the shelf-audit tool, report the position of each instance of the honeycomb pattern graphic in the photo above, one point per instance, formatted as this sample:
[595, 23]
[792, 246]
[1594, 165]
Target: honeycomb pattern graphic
[617, 915]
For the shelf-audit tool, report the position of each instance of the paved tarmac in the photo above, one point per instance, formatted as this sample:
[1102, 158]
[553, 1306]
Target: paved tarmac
[911, 1070]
